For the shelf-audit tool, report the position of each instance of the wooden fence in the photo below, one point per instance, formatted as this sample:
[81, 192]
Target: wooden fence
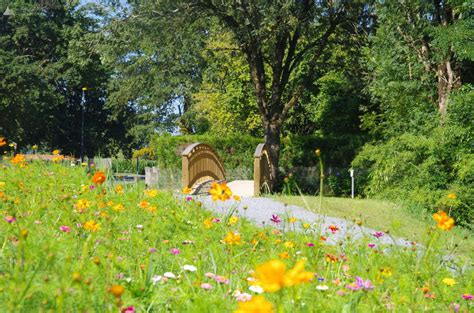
[200, 163]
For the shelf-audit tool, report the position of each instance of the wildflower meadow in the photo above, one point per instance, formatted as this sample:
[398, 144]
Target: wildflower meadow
[76, 241]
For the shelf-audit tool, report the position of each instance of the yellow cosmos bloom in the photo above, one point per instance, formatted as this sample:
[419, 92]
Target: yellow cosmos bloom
[118, 207]
[91, 225]
[257, 304]
[289, 244]
[58, 158]
[82, 204]
[232, 238]
[187, 190]
[151, 193]
[444, 221]
[449, 281]
[208, 223]
[233, 220]
[220, 191]
[284, 255]
[118, 189]
[56, 152]
[273, 276]
[452, 196]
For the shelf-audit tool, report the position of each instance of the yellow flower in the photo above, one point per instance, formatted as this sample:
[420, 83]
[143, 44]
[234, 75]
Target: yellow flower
[306, 226]
[386, 271]
[2, 185]
[298, 275]
[118, 189]
[292, 220]
[208, 223]
[3, 141]
[449, 281]
[151, 209]
[452, 196]
[151, 193]
[220, 191]
[187, 190]
[118, 207]
[444, 221]
[284, 255]
[289, 244]
[236, 198]
[317, 152]
[58, 158]
[82, 204]
[232, 238]
[91, 225]
[233, 220]
[258, 304]
[56, 152]
[272, 275]
[34, 147]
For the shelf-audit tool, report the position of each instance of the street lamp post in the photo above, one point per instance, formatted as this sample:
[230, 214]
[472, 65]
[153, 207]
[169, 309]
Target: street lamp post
[83, 108]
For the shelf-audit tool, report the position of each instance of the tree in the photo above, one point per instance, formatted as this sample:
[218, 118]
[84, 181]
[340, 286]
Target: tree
[282, 42]
[47, 54]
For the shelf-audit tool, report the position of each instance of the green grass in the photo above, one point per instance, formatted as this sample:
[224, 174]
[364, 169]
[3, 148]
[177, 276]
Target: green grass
[44, 268]
[380, 215]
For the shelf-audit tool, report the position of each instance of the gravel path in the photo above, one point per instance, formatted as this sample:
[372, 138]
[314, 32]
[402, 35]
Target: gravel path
[260, 210]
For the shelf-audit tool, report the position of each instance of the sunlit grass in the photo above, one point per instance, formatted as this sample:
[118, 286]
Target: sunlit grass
[380, 215]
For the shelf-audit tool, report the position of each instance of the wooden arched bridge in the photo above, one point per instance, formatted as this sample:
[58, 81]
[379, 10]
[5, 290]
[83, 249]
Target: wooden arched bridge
[201, 166]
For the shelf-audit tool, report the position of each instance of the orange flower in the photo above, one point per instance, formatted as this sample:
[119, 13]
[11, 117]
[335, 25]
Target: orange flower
[257, 304]
[19, 159]
[56, 152]
[117, 290]
[3, 142]
[272, 276]
[444, 221]
[58, 158]
[119, 189]
[98, 178]
[220, 191]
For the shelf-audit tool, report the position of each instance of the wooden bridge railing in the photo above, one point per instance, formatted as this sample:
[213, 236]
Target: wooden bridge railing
[261, 170]
[200, 163]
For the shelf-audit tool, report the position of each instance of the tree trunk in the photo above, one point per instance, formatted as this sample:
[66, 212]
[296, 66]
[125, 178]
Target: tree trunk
[448, 79]
[272, 139]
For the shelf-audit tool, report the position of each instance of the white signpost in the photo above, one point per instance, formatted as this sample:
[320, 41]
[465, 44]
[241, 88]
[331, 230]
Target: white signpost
[352, 182]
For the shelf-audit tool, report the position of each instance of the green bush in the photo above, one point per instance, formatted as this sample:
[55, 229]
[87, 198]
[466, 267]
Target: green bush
[422, 170]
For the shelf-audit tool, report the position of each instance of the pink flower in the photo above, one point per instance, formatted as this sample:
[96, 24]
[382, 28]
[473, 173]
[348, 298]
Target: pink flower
[275, 219]
[467, 296]
[371, 245]
[216, 220]
[10, 219]
[189, 198]
[206, 286]
[129, 309]
[151, 250]
[221, 279]
[175, 251]
[310, 244]
[64, 228]
[378, 234]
